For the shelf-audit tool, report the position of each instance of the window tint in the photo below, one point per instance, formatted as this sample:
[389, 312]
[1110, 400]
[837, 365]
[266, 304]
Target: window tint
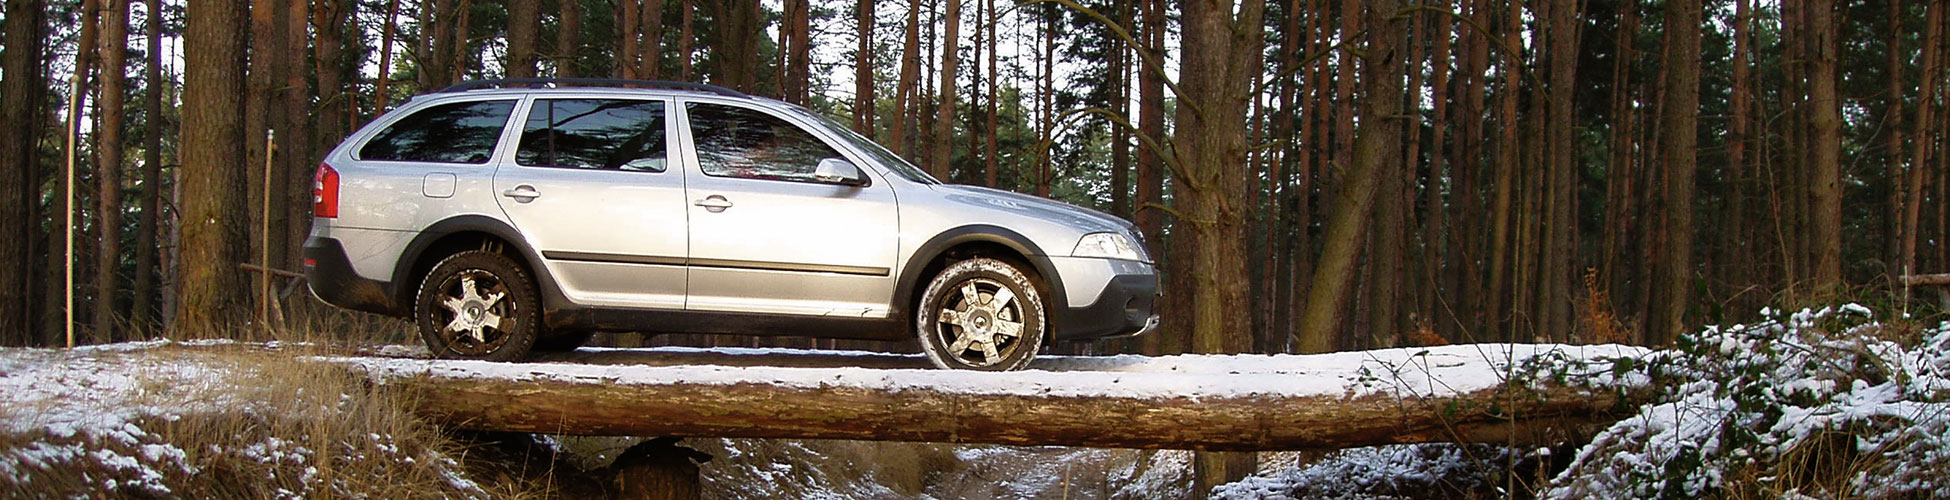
[594, 134]
[462, 132]
[737, 142]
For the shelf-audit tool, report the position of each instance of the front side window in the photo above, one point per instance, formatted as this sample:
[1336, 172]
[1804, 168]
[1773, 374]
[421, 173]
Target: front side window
[738, 142]
[603, 134]
[461, 132]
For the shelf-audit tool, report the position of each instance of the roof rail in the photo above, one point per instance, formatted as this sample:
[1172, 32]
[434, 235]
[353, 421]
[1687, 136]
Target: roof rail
[588, 82]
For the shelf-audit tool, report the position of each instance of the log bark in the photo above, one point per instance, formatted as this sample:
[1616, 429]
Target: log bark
[915, 405]
[1927, 280]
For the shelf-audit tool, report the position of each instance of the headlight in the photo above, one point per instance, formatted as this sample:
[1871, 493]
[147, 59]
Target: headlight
[1109, 246]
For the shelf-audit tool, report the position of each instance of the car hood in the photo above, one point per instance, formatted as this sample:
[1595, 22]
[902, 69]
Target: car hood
[1083, 219]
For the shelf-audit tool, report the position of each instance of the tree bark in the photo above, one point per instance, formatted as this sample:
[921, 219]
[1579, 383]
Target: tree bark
[629, 36]
[142, 311]
[54, 317]
[1561, 228]
[524, 20]
[439, 61]
[455, 395]
[687, 10]
[650, 52]
[863, 59]
[20, 106]
[108, 175]
[386, 35]
[736, 49]
[1932, 66]
[910, 74]
[1678, 125]
[1825, 219]
[991, 143]
[568, 39]
[796, 74]
[1374, 155]
[944, 121]
[213, 239]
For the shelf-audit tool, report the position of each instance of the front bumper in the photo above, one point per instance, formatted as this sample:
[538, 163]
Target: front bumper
[1122, 307]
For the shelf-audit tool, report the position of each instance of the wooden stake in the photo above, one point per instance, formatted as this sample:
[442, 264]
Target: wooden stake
[264, 229]
[74, 136]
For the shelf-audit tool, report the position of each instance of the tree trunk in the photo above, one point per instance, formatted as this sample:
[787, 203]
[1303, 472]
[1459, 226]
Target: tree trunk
[650, 52]
[1434, 231]
[863, 59]
[108, 175]
[944, 122]
[1150, 162]
[386, 35]
[1561, 228]
[568, 39]
[294, 143]
[20, 106]
[910, 73]
[687, 10]
[440, 57]
[1891, 130]
[54, 317]
[1932, 66]
[213, 239]
[736, 49]
[524, 19]
[629, 36]
[991, 144]
[1825, 219]
[328, 20]
[796, 75]
[1679, 125]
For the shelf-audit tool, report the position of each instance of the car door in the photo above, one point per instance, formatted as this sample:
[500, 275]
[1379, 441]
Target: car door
[766, 235]
[591, 189]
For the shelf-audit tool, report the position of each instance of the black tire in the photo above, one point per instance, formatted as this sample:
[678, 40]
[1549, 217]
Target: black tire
[564, 342]
[962, 325]
[502, 295]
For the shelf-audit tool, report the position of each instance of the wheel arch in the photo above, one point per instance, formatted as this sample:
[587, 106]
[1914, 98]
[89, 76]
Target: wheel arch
[980, 240]
[469, 232]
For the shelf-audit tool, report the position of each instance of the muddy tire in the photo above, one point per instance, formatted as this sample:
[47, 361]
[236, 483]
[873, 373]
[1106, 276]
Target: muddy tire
[981, 314]
[478, 305]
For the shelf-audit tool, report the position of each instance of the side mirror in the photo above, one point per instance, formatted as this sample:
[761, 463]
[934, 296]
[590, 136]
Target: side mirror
[838, 171]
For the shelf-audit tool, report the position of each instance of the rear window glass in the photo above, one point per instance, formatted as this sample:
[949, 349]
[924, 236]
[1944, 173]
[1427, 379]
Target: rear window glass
[462, 132]
[594, 134]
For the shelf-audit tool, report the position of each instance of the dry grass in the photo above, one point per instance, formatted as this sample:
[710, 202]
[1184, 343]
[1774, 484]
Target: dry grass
[1597, 320]
[269, 426]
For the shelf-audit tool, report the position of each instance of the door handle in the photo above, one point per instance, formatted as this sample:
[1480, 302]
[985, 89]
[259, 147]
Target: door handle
[522, 193]
[714, 203]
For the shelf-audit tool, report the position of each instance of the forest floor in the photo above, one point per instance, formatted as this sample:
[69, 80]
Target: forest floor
[1823, 403]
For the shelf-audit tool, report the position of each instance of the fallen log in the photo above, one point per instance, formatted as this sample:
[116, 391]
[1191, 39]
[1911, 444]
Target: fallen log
[1927, 280]
[1233, 403]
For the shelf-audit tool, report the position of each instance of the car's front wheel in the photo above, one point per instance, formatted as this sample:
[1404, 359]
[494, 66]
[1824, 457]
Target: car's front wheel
[981, 314]
[477, 305]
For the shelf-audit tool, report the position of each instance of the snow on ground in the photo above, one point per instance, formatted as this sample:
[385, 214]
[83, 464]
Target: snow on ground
[107, 415]
[1405, 372]
[98, 394]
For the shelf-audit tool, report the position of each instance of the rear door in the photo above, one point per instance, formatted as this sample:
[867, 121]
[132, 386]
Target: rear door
[765, 235]
[591, 188]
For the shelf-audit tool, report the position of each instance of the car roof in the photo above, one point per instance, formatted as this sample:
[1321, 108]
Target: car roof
[562, 83]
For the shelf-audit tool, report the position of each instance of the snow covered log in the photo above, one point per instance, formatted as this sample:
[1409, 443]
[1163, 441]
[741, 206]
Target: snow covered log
[1446, 394]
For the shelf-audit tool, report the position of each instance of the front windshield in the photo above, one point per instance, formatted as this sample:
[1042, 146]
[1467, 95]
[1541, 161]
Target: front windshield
[880, 154]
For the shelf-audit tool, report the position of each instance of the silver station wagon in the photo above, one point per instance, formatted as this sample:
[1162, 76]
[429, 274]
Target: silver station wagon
[502, 216]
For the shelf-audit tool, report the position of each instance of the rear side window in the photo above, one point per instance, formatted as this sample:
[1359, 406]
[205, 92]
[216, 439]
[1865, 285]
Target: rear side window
[462, 132]
[594, 134]
[738, 142]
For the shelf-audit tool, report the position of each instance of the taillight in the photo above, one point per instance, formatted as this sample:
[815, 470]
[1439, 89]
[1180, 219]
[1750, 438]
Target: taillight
[325, 192]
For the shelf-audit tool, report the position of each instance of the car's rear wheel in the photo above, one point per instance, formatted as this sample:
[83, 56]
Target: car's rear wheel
[981, 314]
[477, 305]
